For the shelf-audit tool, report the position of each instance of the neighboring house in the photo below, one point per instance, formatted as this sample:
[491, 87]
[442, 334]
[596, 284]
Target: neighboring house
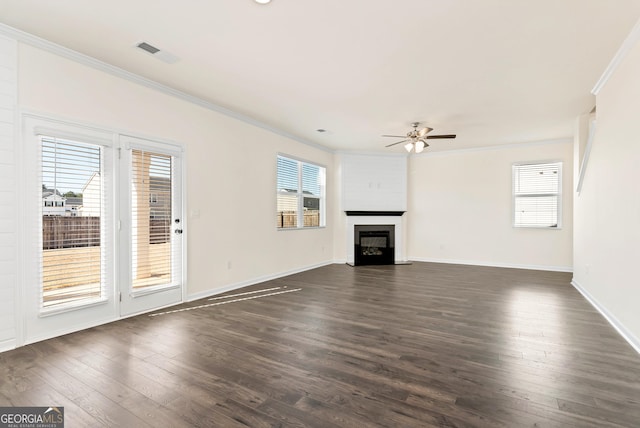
[53, 204]
[159, 197]
[289, 200]
[91, 204]
[73, 206]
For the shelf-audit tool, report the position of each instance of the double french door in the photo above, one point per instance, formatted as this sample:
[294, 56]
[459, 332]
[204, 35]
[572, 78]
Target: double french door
[104, 234]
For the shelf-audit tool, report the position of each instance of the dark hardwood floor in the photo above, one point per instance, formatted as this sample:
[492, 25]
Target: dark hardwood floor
[398, 346]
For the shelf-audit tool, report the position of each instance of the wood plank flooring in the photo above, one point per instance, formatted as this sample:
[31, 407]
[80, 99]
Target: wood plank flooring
[398, 346]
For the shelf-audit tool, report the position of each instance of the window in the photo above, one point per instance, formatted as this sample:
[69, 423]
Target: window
[72, 260]
[300, 194]
[537, 195]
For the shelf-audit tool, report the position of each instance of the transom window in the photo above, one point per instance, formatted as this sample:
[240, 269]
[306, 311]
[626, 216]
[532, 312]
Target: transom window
[300, 194]
[537, 195]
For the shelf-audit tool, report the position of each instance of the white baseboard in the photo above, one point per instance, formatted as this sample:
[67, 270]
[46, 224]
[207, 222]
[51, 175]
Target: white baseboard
[29, 339]
[252, 281]
[7, 345]
[489, 264]
[620, 328]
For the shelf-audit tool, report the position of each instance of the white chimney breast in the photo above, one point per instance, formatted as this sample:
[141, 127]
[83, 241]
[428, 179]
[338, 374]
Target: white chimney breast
[374, 183]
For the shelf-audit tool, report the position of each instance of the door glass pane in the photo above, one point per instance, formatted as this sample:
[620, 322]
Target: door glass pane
[72, 205]
[151, 203]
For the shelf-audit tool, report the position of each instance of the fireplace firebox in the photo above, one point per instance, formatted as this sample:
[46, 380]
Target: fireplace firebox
[374, 244]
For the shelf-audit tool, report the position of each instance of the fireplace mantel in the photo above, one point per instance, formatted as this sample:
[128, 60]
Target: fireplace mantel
[374, 213]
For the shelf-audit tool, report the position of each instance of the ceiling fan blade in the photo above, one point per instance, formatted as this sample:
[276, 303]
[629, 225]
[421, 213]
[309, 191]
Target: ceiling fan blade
[424, 131]
[441, 136]
[395, 136]
[393, 144]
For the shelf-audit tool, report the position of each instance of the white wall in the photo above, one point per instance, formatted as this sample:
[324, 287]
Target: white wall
[607, 211]
[8, 193]
[460, 209]
[230, 169]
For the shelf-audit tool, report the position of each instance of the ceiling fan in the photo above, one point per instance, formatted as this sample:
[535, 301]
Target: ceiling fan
[417, 138]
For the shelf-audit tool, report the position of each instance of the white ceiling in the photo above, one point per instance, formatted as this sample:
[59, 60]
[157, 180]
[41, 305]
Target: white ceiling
[491, 71]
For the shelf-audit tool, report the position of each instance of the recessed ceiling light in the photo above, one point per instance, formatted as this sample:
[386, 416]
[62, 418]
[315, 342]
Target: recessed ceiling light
[262, 1]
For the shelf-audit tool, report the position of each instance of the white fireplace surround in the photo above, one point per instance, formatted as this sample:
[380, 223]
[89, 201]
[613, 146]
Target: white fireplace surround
[397, 221]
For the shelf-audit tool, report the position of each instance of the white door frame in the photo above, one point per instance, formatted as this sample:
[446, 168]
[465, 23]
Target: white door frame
[32, 324]
[135, 302]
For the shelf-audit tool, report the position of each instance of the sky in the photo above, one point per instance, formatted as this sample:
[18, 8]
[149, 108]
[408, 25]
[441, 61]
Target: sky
[312, 180]
[69, 165]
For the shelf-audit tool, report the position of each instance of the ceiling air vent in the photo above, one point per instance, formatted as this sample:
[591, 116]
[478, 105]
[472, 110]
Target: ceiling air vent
[147, 47]
[163, 56]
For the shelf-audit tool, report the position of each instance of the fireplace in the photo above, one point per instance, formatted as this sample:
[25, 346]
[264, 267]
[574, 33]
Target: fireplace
[374, 244]
[379, 219]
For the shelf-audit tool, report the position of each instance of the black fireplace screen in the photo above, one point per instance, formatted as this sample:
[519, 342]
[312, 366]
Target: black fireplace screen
[374, 245]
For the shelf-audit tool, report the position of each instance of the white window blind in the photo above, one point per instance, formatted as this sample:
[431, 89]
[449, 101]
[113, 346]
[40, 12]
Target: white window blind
[73, 259]
[151, 216]
[300, 194]
[537, 195]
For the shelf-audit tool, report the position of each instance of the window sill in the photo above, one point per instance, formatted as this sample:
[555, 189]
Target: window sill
[153, 290]
[71, 307]
[281, 229]
[538, 227]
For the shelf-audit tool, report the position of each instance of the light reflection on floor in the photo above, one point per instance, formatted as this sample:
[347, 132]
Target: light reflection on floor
[534, 325]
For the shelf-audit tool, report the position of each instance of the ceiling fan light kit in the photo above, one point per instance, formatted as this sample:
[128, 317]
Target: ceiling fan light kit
[417, 138]
[417, 146]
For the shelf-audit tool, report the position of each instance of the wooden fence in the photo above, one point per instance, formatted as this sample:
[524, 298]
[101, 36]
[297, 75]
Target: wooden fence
[72, 232]
[288, 219]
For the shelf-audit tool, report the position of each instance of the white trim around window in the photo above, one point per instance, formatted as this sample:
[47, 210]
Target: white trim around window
[537, 195]
[300, 194]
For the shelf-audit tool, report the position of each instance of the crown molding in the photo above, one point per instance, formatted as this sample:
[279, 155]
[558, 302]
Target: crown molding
[496, 147]
[370, 153]
[46, 45]
[428, 153]
[629, 43]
